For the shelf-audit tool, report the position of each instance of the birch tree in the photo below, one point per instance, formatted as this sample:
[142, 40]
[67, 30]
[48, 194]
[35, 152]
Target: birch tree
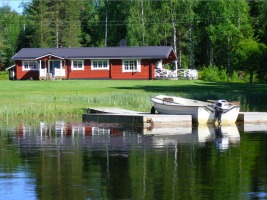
[137, 29]
[222, 24]
[183, 17]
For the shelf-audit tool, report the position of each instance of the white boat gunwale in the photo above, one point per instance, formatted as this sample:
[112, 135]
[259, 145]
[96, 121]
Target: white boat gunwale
[170, 103]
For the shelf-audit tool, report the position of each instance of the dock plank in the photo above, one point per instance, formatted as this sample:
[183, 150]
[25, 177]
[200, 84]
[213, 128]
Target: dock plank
[112, 110]
[135, 118]
[252, 117]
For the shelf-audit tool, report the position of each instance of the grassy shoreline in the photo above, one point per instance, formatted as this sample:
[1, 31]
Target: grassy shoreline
[20, 100]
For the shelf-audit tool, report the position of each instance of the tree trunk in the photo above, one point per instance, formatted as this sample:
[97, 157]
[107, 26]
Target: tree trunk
[174, 45]
[251, 77]
[210, 53]
[179, 49]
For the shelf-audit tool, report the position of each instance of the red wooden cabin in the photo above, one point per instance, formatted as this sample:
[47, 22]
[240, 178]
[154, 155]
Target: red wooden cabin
[90, 62]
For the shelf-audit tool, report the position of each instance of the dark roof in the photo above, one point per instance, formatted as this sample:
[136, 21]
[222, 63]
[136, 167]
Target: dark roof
[149, 52]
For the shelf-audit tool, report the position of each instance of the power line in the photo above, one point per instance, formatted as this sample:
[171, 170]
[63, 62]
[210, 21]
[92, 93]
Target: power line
[124, 22]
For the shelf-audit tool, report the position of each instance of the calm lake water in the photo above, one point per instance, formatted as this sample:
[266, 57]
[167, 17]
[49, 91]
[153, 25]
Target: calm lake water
[91, 161]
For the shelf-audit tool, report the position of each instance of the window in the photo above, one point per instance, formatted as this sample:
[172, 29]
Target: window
[100, 64]
[131, 66]
[29, 65]
[77, 65]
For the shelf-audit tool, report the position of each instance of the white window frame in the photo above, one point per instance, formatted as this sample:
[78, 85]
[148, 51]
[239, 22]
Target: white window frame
[28, 65]
[131, 65]
[98, 65]
[76, 66]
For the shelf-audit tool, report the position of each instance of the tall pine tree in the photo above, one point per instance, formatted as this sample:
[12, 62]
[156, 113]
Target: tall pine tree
[10, 29]
[52, 23]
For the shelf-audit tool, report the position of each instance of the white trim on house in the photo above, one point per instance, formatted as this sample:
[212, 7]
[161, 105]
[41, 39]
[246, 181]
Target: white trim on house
[77, 64]
[49, 55]
[131, 65]
[28, 65]
[10, 67]
[99, 64]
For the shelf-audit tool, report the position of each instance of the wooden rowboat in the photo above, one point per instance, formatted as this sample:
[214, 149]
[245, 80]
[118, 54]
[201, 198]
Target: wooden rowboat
[202, 112]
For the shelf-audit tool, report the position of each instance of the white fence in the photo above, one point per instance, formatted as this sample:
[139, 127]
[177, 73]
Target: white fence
[182, 73]
[58, 72]
[187, 73]
[164, 73]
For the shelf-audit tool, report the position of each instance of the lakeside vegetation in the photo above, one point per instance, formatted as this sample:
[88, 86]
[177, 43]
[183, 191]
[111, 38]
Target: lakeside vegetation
[30, 100]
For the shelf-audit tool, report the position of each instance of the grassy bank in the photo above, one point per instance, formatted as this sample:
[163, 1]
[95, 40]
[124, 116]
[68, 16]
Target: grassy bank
[67, 99]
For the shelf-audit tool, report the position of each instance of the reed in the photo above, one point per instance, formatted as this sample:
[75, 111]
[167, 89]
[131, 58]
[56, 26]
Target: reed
[62, 106]
[30, 100]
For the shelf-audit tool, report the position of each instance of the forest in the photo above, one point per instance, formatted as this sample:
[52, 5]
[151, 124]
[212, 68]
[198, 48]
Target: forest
[225, 36]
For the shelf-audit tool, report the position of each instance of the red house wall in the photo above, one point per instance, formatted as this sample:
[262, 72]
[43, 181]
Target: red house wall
[87, 73]
[147, 71]
[114, 72]
[25, 75]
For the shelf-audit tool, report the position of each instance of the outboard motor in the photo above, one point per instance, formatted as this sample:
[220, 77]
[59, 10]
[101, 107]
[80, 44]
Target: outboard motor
[220, 107]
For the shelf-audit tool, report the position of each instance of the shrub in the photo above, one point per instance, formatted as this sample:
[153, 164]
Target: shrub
[3, 75]
[209, 73]
[219, 74]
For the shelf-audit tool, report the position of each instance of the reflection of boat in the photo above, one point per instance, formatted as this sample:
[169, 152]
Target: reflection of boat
[204, 133]
[226, 135]
[222, 135]
[202, 112]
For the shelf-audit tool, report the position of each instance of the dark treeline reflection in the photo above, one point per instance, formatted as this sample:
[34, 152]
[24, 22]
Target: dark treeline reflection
[97, 161]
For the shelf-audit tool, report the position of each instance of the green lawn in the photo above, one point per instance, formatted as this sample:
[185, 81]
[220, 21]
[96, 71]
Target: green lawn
[68, 98]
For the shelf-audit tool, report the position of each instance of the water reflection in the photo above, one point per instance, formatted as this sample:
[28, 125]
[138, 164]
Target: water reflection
[225, 136]
[96, 135]
[103, 161]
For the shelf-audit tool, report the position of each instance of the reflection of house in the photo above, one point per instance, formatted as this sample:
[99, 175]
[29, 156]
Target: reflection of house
[90, 62]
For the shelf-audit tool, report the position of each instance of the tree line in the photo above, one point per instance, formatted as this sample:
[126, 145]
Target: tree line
[230, 35]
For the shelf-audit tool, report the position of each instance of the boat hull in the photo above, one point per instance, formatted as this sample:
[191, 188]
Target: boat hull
[202, 112]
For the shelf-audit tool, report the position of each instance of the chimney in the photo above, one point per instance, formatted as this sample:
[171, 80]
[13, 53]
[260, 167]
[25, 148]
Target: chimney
[123, 43]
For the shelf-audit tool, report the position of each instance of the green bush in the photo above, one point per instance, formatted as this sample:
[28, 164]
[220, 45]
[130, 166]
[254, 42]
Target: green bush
[219, 74]
[3, 75]
[210, 73]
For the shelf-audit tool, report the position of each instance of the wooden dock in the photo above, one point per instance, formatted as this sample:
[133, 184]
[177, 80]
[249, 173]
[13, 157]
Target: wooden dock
[149, 121]
[133, 118]
[252, 117]
[158, 124]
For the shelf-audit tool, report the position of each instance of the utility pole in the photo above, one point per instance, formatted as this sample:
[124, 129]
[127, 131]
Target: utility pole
[143, 22]
[106, 24]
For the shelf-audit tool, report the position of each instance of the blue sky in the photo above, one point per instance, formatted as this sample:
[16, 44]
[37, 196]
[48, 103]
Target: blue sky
[14, 4]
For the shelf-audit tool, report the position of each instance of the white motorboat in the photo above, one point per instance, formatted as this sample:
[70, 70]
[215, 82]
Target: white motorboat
[202, 112]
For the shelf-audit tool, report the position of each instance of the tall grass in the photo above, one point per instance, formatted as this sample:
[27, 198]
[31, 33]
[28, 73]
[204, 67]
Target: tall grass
[72, 106]
[20, 100]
